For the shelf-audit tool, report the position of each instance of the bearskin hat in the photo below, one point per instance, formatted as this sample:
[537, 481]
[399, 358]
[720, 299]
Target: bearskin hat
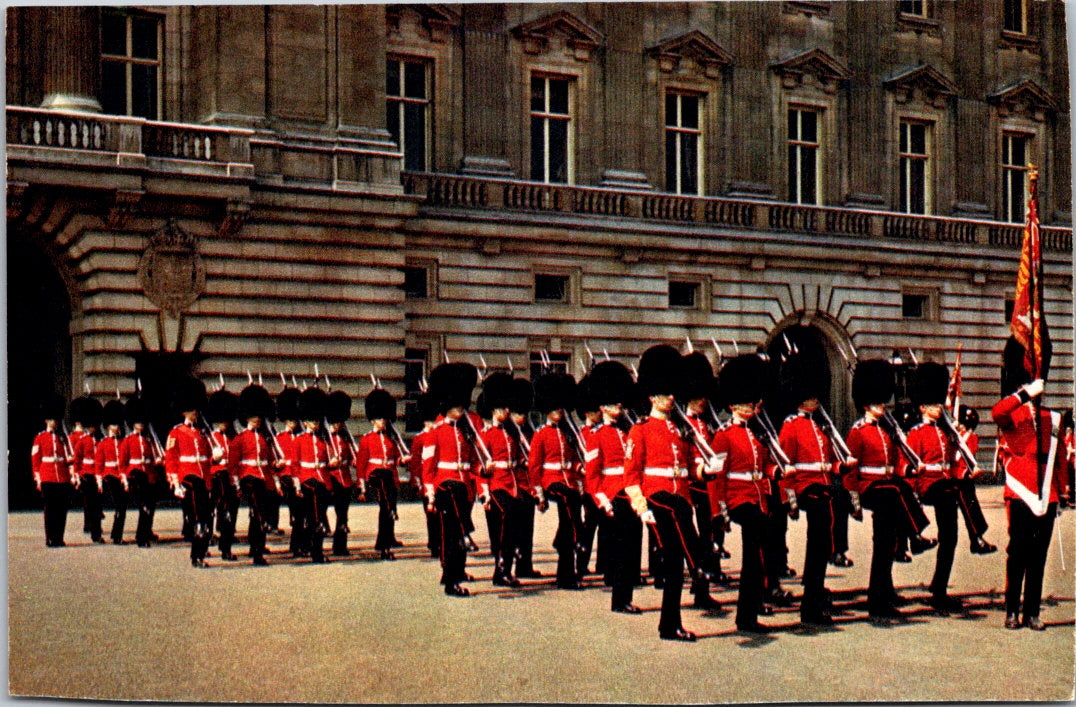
[379, 405]
[311, 406]
[696, 377]
[660, 371]
[554, 391]
[497, 391]
[482, 408]
[112, 413]
[426, 408]
[743, 379]
[968, 417]
[873, 382]
[223, 406]
[610, 382]
[800, 379]
[337, 406]
[86, 410]
[135, 411]
[255, 401]
[930, 382]
[1013, 373]
[584, 399]
[522, 396]
[51, 406]
[189, 395]
[451, 385]
[287, 404]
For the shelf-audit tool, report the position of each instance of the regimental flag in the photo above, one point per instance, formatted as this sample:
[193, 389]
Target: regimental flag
[956, 383]
[1028, 323]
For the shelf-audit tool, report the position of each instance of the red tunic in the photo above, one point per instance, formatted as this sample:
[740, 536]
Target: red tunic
[48, 458]
[656, 458]
[286, 440]
[340, 447]
[552, 458]
[935, 451]
[960, 468]
[809, 449]
[414, 464]
[107, 458]
[137, 454]
[223, 442]
[875, 454]
[1015, 422]
[591, 483]
[376, 451]
[447, 456]
[506, 459]
[85, 455]
[742, 478]
[187, 453]
[251, 455]
[605, 460]
[311, 458]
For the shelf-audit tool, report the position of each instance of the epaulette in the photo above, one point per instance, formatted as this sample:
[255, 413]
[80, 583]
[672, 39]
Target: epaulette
[724, 425]
[921, 424]
[861, 422]
[791, 417]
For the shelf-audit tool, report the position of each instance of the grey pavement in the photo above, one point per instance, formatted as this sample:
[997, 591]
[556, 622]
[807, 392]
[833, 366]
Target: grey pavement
[124, 623]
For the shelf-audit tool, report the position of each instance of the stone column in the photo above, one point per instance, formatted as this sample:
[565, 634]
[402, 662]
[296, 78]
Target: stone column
[72, 61]
[360, 70]
[485, 90]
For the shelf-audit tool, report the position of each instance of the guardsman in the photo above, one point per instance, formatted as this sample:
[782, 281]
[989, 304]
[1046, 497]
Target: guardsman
[342, 448]
[251, 459]
[221, 413]
[50, 461]
[937, 484]
[1035, 482]
[187, 458]
[657, 480]
[375, 465]
[808, 477]
[742, 489]
[522, 401]
[500, 490]
[590, 416]
[86, 414]
[874, 475]
[448, 461]
[313, 459]
[427, 412]
[287, 410]
[554, 472]
[140, 459]
[107, 466]
[610, 383]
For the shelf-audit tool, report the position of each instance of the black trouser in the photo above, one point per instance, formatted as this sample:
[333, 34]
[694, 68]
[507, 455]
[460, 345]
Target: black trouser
[145, 496]
[653, 557]
[201, 515]
[341, 502]
[592, 516]
[525, 538]
[753, 526]
[257, 497]
[842, 508]
[296, 514]
[700, 501]
[569, 537]
[186, 505]
[56, 496]
[1029, 543]
[968, 501]
[818, 504]
[316, 516]
[227, 505]
[944, 495]
[679, 542]
[776, 547]
[433, 530]
[384, 480]
[503, 519]
[625, 550]
[118, 494]
[271, 509]
[91, 506]
[890, 517]
[603, 561]
[451, 502]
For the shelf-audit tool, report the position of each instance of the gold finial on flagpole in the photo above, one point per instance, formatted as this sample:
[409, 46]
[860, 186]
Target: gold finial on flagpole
[1032, 172]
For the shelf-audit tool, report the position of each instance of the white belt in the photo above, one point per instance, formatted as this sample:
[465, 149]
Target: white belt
[90, 461]
[313, 465]
[51, 460]
[668, 472]
[745, 475]
[377, 462]
[613, 471]
[139, 461]
[254, 462]
[813, 466]
[111, 463]
[194, 459]
[454, 466]
[500, 465]
[876, 470]
[556, 466]
[936, 467]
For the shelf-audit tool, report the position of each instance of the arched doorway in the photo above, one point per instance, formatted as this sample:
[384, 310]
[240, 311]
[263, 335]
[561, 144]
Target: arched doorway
[38, 355]
[820, 340]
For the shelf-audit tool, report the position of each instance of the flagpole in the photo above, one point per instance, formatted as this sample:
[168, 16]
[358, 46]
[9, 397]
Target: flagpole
[1035, 295]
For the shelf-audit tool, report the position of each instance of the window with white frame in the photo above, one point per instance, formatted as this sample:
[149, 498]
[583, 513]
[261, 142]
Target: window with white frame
[804, 151]
[551, 129]
[131, 49]
[1015, 16]
[1014, 163]
[683, 143]
[915, 8]
[915, 167]
[408, 109]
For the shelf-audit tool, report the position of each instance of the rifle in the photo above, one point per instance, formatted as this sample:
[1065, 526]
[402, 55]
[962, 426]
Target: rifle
[962, 449]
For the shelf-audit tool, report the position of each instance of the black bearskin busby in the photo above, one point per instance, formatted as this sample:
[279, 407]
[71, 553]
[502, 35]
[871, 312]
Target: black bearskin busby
[584, 399]
[51, 407]
[873, 382]
[223, 406]
[522, 396]
[611, 383]
[287, 404]
[1013, 373]
[189, 395]
[135, 411]
[554, 391]
[696, 377]
[255, 401]
[112, 415]
[380, 405]
[426, 408]
[338, 406]
[311, 407]
[451, 385]
[799, 380]
[930, 382]
[660, 371]
[497, 391]
[86, 410]
[743, 380]
[968, 417]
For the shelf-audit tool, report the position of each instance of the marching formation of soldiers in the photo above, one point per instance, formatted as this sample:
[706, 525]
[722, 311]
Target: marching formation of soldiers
[652, 448]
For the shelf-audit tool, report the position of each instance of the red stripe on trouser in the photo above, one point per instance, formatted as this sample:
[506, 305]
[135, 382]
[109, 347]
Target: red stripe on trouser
[967, 511]
[683, 541]
[907, 511]
[459, 516]
[504, 514]
[832, 523]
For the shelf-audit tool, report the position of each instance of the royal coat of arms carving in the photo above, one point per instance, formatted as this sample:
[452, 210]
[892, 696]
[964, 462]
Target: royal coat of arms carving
[171, 271]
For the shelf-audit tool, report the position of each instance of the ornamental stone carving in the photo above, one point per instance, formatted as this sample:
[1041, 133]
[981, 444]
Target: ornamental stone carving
[171, 271]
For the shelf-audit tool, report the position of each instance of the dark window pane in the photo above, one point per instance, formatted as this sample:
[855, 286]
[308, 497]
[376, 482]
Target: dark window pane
[1014, 15]
[903, 137]
[809, 124]
[113, 34]
[415, 80]
[558, 363]
[538, 149]
[558, 151]
[392, 77]
[913, 306]
[144, 37]
[392, 120]
[558, 96]
[550, 288]
[670, 161]
[113, 88]
[904, 184]
[144, 91]
[919, 139]
[689, 111]
[1019, 151]
[793, 125]
[415, 282]
[689, 164]
[683, 294]
[1010, 305]
[918, 194]
[793, 181]
[415, 136]
[1016, 192]
[670, 109]
[537, 94]
[808, 191]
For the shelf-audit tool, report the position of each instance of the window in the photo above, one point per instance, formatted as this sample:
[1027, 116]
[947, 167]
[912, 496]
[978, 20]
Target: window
[917, 8]
[558, 363]
[683, 143]
[551, 130]
[1014, 160]
[914, 306]
[131, 63]
[416, 282]
[683, 295]
[1010, 306]
[415, 362]
[1016, 16]
[915, 165]
[803, 150]
[407, 91]
[551, 288]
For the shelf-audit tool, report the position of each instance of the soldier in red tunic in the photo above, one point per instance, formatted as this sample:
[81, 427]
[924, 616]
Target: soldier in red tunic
[86, 414]
[1035, 481]
[187, 459]
[522, 401]
[107, 466]
[287, 410]
[313, 459]
[376, 463]
[50, 462]
[499, 490]
[252, 460]
[427, 412]
[342, 447]
[221, 412]
[140, 459]
[590, 416]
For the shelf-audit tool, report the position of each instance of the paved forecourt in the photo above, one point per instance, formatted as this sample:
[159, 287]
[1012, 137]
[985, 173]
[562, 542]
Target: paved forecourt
[126, 623]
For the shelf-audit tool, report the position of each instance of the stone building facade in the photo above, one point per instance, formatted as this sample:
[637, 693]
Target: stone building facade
[370, 188]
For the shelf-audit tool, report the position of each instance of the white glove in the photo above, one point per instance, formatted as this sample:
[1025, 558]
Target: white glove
[430, 495]
[603, 501]
[579, 486]
[1034, 388]
[648, 517]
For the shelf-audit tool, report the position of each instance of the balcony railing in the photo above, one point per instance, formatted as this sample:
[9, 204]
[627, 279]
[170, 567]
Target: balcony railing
[465, 192]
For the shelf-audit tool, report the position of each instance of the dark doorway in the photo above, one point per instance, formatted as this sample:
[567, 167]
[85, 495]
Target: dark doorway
[38, 356]
[812, 346]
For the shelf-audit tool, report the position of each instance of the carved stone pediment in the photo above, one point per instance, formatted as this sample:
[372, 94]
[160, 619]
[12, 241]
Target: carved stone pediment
[579, 37]
[814, 64]
[1026, 98]
[171, 272]
[705, 56]
[438, 20]
[922, 82]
